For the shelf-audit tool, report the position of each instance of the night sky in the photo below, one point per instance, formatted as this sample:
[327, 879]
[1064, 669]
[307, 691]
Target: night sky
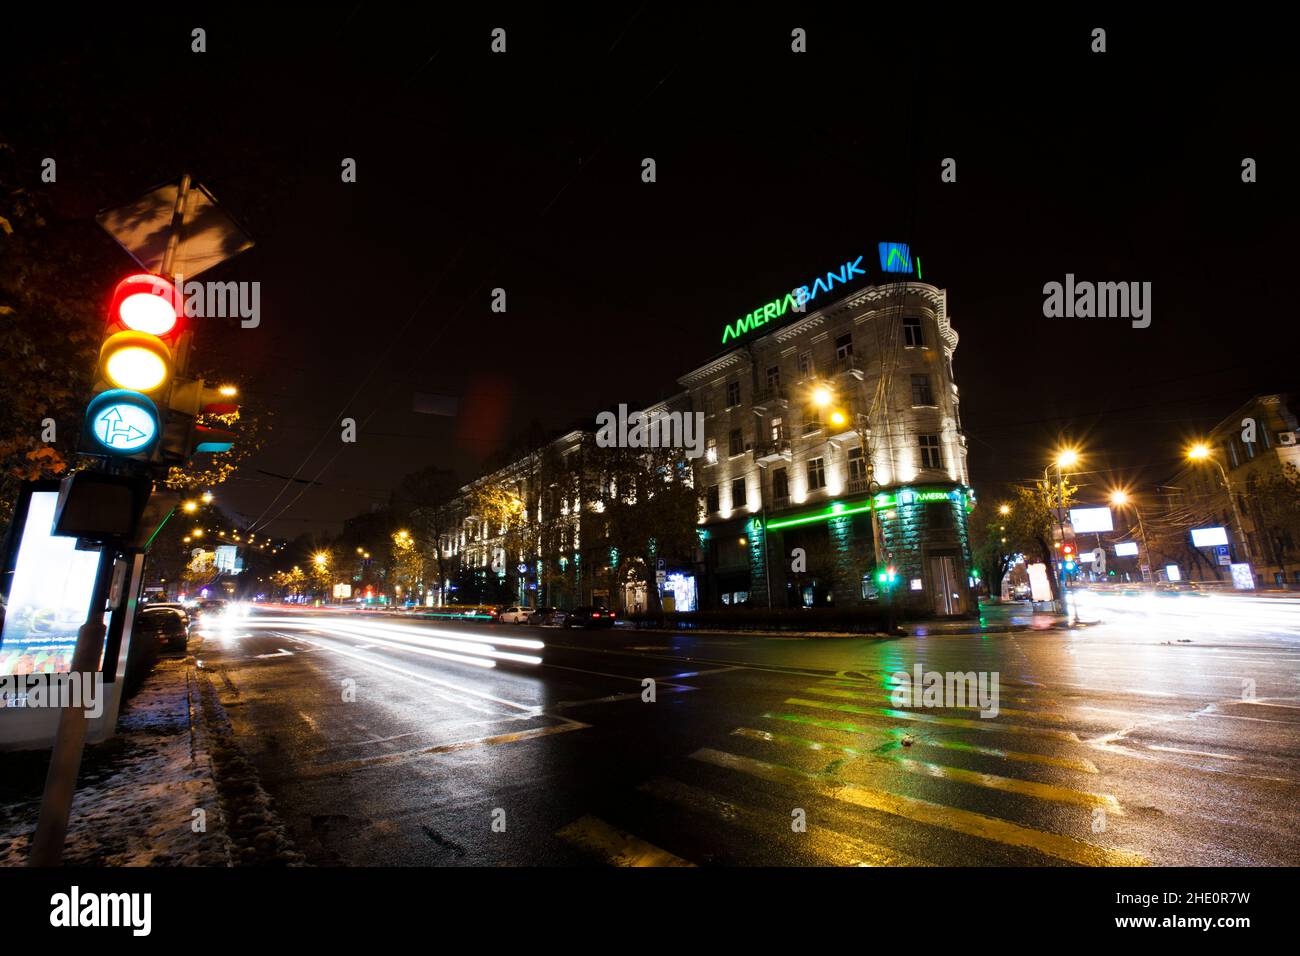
[522, 171]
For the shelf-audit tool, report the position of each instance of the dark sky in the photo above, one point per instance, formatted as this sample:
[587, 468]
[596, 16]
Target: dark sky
[522, 171]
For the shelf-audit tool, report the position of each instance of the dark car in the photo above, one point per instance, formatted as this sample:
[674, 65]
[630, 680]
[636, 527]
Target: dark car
[548, 617]
[588, 615]
[168, 627]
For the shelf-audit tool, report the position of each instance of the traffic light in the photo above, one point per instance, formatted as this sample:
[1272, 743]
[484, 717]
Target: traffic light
[200, 421]
[887, 576]
[136, 365]
[1068, 556]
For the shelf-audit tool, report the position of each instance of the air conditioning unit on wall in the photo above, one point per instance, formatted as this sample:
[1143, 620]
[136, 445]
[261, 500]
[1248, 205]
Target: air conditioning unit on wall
[1286, 438]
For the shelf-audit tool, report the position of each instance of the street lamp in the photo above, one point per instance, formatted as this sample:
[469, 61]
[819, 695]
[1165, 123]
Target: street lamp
[1064, 458]
[1122, 499]
[1004, 509]
[207, 497]
[1199, 452]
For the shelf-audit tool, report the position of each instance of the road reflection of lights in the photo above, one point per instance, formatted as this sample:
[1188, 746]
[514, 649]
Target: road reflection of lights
[477, 650]
[1185, 615]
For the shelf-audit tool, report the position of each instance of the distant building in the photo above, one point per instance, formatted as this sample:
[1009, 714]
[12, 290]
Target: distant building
[834, 466]
[1272, 542]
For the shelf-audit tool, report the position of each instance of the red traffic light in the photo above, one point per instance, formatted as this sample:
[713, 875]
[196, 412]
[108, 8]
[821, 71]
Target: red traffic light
[147, 303]
[1068, 549]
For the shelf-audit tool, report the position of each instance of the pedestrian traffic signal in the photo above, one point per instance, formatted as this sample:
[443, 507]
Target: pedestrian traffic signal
[136, 364]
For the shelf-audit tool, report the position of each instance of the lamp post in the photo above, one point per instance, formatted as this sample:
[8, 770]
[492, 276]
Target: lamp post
[1066, 458]
[1122, 499]
[1201, 452]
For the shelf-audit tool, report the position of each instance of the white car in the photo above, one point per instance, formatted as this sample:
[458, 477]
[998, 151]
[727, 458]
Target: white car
[515, 615]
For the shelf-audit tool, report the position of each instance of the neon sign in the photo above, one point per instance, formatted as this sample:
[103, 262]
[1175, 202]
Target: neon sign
[895, 257]
[882, 502]
[796, 299]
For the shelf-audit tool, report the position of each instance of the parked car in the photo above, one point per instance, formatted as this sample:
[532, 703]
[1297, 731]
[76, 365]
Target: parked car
[514, 615]
[588, 615]
[548, 617]
[167, 625]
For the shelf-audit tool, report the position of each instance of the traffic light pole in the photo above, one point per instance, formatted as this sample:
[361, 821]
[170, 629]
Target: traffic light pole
[70, 740]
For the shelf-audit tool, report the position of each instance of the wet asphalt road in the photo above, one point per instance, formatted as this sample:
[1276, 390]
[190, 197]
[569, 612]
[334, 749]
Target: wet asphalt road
[1165, 733]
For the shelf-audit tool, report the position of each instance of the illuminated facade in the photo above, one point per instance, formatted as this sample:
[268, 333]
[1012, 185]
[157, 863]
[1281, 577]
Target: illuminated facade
[832, 444]
[834, 452]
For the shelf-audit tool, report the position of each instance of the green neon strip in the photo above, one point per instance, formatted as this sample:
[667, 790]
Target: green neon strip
[820, 516]
[884, 501]
[150, 543]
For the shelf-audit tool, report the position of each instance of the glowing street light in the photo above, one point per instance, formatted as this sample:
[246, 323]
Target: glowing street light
[1004, 509]
[1067, 458]
[1200, 451]
[206, 497]
[1119, 497]
[191, 507]
[321, 559]
[821, 396]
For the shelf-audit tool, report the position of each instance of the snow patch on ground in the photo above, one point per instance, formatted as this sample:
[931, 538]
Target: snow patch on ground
[137, 793]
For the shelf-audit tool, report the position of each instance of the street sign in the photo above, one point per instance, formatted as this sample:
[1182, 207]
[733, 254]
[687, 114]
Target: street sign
[1243, 579]
[122, 422]
[661, 564]
[143, 228]
[522, 569]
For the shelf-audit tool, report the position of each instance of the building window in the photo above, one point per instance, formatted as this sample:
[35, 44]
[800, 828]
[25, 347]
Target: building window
[774, 378]
[733, 394]
[711, 451]
[711, 504]
[805, 365]
[844, 346]
[780, 485]
[857, 465]
[736, 444]
[812, 419]
[1231, 448]
[930, 457]
[913, 337]
[816, 474]
[1250, 450]
[1268, 442]
[921, 394]
[778, 430]
[738, 492]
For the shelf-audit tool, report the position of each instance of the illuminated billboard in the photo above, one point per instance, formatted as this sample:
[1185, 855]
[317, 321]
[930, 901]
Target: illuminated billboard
[49, 595]
[1091, 520]
[1209, 537]
[1126, 549]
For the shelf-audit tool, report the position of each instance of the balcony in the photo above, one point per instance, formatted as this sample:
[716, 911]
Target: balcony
[859, 486]
[773, 451]
[776, 395]
[847, 365]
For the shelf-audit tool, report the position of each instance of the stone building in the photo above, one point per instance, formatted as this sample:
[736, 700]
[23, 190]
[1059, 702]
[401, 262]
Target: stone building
[833, 471]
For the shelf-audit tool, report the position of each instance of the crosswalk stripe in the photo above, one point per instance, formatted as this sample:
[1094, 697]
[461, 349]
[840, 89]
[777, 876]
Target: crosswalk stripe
[852, 695]
[837, 849]
[1027, 788]
[615, 846]
[986, 725]
[932, 814]
[892, 741]
[877, 692]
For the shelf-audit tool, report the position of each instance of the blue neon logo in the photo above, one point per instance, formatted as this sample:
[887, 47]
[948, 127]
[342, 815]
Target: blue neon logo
[895, 257]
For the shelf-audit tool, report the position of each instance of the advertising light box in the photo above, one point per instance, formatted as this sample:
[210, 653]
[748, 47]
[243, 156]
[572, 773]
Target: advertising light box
[1091, 520]
[1126, 549]
[49, 596]
[1209, 537]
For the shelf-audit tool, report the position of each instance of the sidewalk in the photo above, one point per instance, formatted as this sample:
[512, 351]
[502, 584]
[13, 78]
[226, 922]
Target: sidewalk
[137, 792]
[999, 618]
